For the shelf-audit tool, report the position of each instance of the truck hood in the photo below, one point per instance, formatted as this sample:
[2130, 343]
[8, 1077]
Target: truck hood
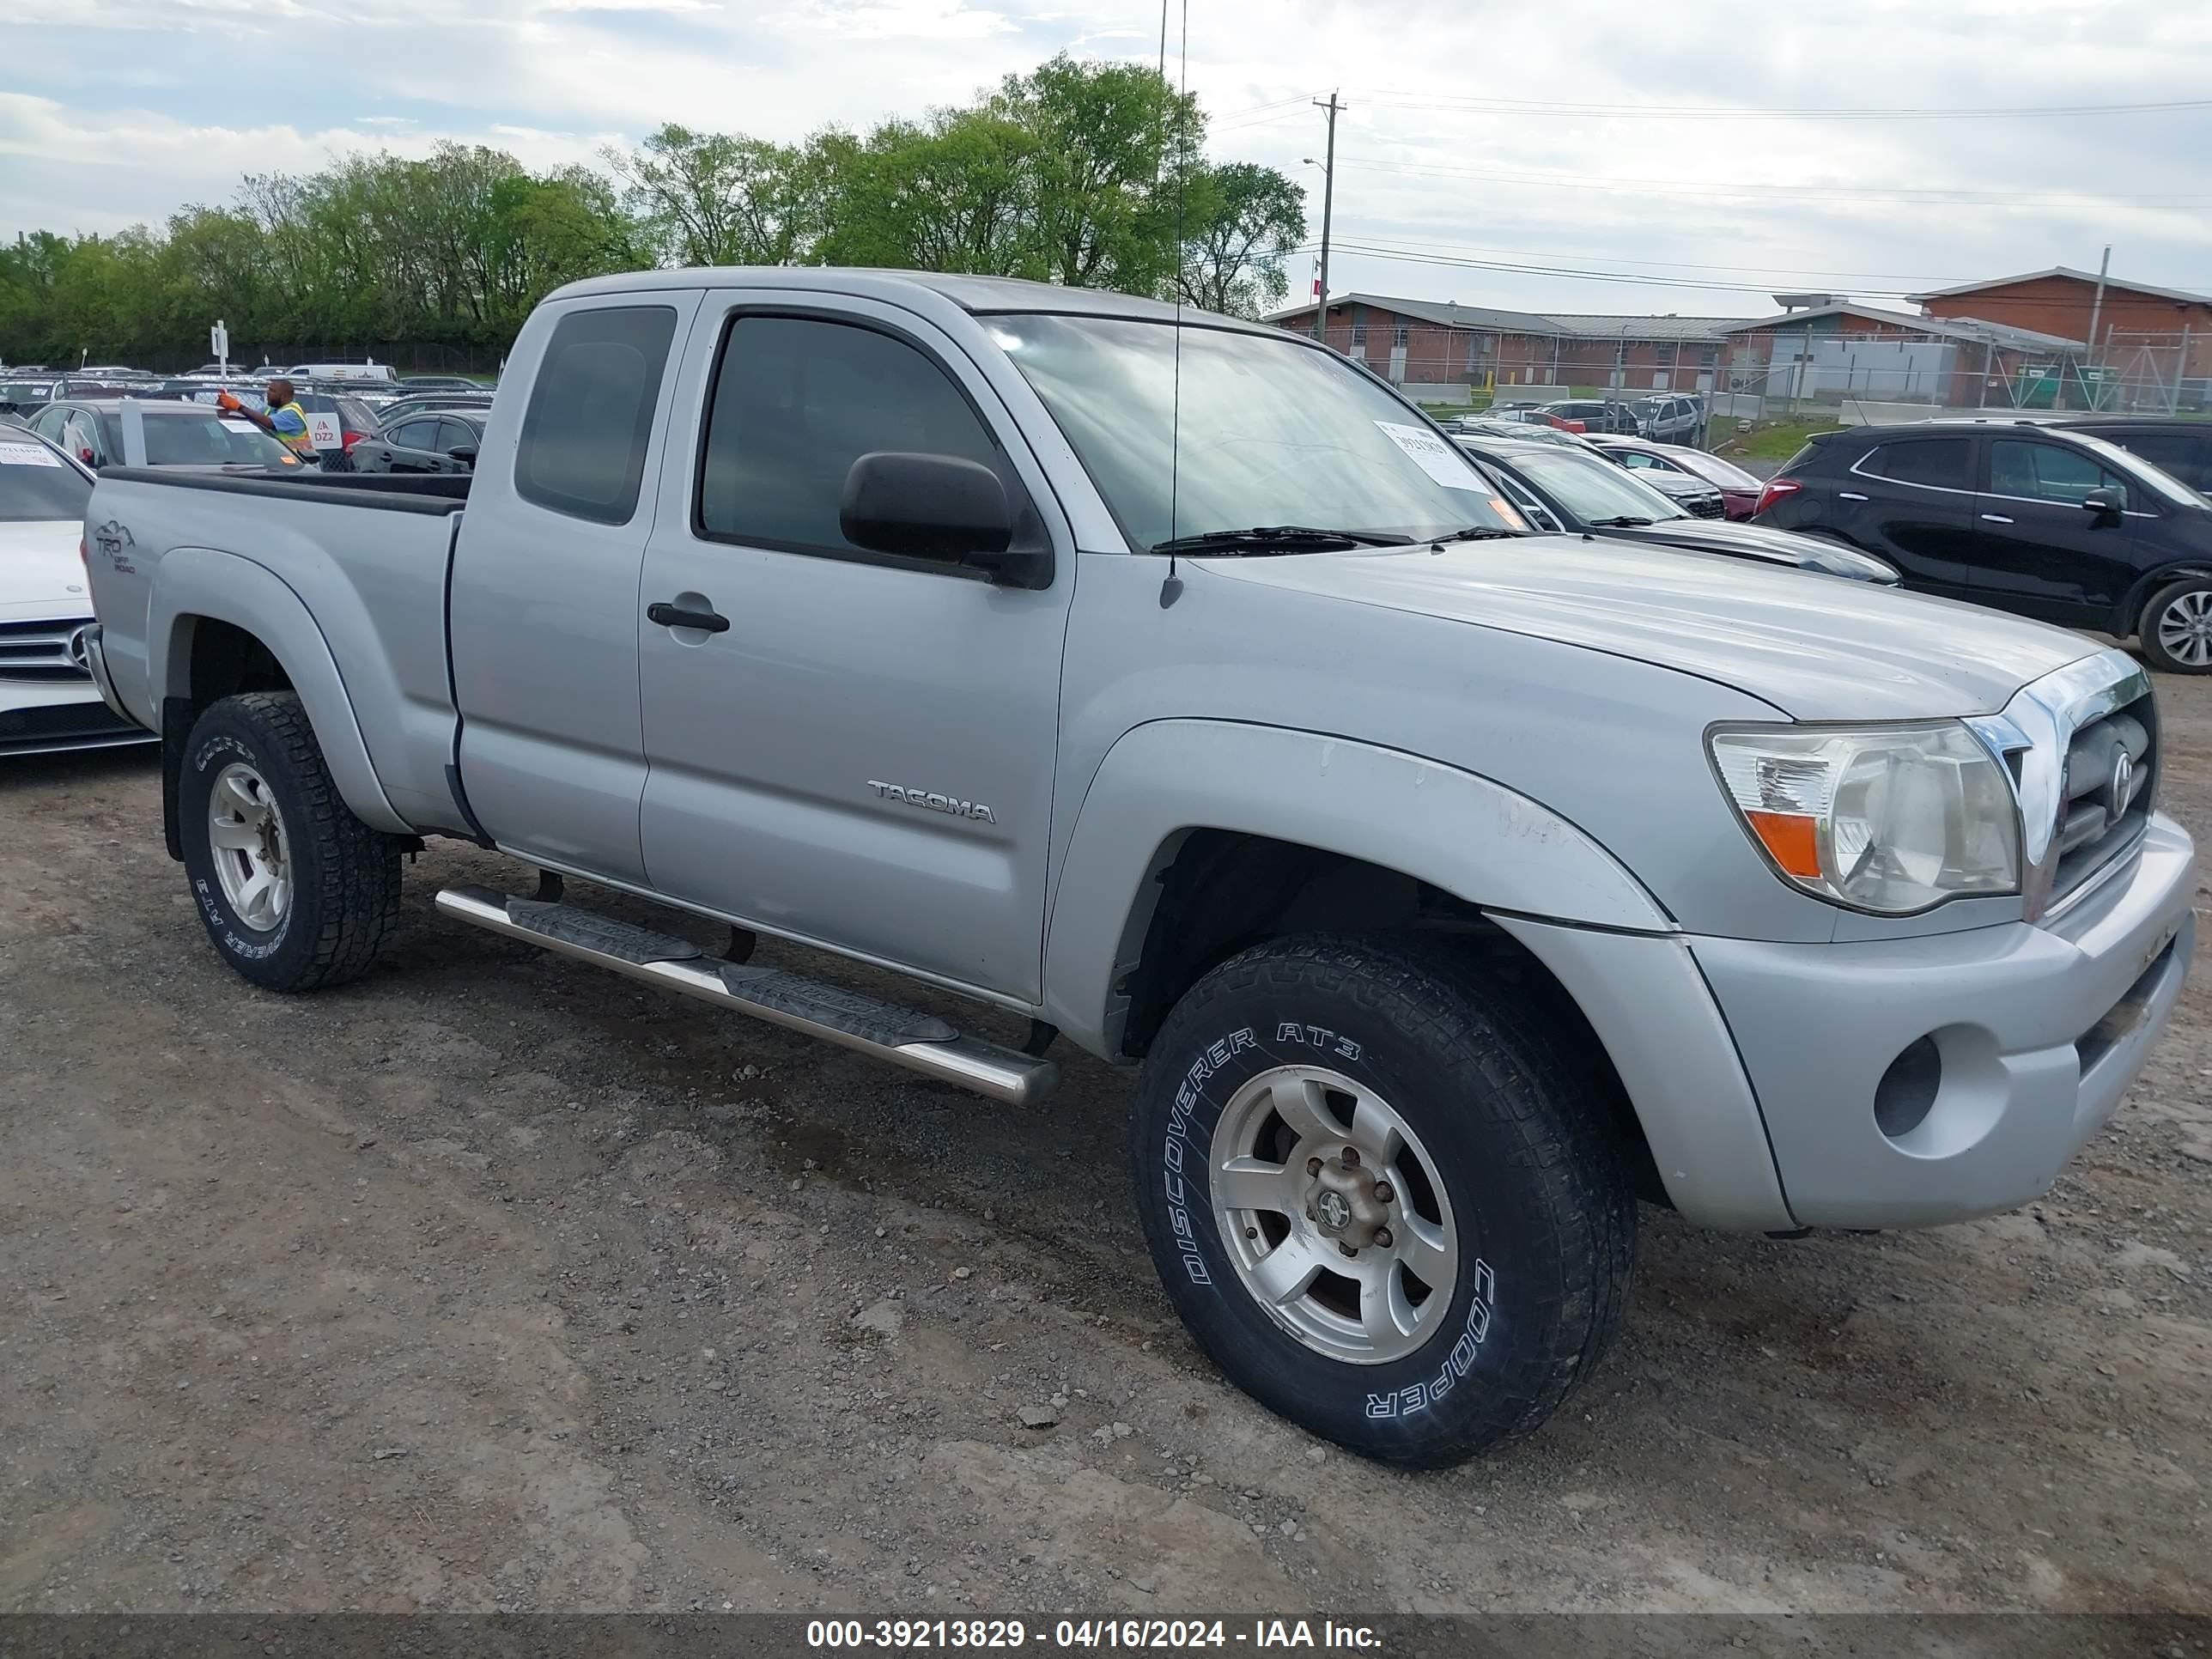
[1813, 647]
[40, 576]
[1759, 541]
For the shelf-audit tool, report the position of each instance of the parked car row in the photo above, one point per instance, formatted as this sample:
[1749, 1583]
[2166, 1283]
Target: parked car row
[2067, 521]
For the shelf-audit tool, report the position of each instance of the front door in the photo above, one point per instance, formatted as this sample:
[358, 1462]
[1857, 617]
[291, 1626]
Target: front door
[2041, 552]
[855, 749]
[1911, 500]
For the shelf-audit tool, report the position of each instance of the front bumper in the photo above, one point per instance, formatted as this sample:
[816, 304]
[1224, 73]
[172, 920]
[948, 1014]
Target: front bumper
[2040, 1031]
[47, 717]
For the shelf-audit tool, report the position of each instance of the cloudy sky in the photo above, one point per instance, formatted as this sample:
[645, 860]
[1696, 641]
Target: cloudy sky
[1645, 158]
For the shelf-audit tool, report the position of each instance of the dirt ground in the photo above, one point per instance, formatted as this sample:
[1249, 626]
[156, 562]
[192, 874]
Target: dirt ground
[493, 1282]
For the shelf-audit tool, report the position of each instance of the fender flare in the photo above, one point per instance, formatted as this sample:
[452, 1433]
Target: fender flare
[2144, 588]
[197, 584]
[1464, 834]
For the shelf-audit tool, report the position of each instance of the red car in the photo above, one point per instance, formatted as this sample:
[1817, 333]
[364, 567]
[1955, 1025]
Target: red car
[1739, 489]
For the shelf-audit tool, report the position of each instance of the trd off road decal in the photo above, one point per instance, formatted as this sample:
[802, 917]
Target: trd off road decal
[1419, 1396]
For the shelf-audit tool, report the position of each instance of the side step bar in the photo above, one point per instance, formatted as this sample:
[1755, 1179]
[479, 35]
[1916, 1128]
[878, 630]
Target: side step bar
[904, 1036]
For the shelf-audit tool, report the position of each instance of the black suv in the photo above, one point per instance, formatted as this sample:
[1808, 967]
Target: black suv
[2031, 518]
[2183, 449]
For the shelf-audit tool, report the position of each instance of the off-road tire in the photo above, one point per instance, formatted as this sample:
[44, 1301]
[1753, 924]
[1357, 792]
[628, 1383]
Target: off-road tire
[1526, 1155]
[2147, 638]
[345, 876]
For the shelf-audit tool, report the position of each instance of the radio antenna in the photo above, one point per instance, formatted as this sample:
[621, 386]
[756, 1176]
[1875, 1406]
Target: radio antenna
[1171, 589]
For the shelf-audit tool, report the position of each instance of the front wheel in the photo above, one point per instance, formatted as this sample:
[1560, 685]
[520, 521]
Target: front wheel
[294, 890]
[2176, 632]
[1376, 1199]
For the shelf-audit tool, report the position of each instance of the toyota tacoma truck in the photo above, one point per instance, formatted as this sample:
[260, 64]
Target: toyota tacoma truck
[1169, 681]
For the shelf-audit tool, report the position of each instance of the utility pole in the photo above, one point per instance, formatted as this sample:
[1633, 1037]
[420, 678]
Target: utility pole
[1327, 208]
[2097, 305]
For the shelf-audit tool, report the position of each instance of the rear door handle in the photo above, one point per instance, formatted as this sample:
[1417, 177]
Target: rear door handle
[1848, 495]
[1995, 518]
[673, 615]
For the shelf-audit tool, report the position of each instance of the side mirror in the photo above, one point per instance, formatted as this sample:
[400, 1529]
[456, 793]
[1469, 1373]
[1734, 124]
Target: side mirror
[465, 452]
[936, 506]
[2106, 503]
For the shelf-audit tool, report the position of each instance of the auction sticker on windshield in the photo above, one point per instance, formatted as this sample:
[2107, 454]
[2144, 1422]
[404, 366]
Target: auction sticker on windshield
[240, 426]
[1433, 456]
[28, 455]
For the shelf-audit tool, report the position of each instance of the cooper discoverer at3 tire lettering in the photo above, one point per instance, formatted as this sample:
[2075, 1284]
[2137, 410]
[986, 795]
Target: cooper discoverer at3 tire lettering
[1376, 1197]
[295, 891]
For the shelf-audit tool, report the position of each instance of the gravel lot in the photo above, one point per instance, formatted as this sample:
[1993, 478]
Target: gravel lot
[495, 1282]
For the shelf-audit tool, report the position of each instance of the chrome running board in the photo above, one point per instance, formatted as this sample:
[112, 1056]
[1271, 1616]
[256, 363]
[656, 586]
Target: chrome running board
[904, 1036]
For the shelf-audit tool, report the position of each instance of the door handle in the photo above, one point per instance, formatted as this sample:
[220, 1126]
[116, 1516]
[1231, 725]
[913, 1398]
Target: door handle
[1995, 518]
[1848, 495]
[671, 616]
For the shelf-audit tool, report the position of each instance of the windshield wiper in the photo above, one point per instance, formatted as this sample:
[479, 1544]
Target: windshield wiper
[1475, 532]
[1278, 538]
[1625, 520]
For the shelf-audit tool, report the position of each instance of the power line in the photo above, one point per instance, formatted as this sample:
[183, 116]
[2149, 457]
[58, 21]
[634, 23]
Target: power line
[1412, 99]
[1627, 278]
[1921, 283]
[1898, 195]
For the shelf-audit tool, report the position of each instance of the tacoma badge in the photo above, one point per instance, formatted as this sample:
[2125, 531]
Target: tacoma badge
[935, 802]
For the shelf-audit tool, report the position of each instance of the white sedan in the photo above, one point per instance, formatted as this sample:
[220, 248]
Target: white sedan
[47, 699]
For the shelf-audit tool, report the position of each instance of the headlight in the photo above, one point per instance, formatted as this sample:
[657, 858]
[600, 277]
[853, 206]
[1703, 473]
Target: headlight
[1887, 818]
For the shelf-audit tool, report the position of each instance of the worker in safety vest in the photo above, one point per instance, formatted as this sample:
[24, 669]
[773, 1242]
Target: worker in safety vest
[285, 422]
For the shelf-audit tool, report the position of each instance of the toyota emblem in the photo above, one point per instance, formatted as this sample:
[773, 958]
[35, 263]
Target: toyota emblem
[2123, 781]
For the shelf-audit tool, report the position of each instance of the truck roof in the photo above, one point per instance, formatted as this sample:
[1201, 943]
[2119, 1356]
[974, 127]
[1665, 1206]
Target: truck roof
[980, 295]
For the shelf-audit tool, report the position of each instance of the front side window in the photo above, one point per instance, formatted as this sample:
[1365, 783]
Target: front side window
[2186, 458]
[796, 402]
[590, 419]
[1935, 463]
[2045, 472]
[1264, 430]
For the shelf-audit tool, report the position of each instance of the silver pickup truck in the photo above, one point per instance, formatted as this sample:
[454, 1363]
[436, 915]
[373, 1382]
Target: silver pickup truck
[1169, 681]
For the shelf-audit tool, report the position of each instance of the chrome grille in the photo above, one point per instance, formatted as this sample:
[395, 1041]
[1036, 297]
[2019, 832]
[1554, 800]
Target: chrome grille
[2082, 746]
[2104, 801]
[40, 652]
[1706, 506]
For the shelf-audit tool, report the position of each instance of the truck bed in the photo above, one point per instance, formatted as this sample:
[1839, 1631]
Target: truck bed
[398, 492]
[343, 578]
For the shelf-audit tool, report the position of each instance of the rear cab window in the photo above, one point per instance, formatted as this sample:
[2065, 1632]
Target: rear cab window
[584, 438]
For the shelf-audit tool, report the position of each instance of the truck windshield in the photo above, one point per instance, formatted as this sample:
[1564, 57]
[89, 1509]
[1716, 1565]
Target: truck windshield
[1273, 432]
[36, 485]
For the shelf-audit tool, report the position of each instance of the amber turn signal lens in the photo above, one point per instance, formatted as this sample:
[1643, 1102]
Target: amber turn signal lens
[1790, 841]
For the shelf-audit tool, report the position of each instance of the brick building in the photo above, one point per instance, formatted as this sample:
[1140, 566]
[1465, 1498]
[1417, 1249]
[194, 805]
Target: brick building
[1442, 344]
[2064, 301]
[1842, 350]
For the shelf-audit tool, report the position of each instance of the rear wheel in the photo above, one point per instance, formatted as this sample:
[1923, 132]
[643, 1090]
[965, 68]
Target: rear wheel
[1376, 1199]
[2176, 631]
[295, 891]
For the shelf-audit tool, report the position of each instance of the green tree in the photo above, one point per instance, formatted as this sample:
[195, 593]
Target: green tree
[1240, 223]
[715, 199]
